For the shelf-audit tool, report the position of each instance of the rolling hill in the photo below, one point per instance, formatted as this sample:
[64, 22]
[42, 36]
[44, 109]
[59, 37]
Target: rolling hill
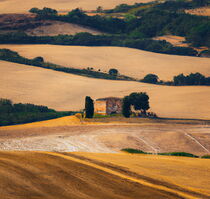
[54, 176]
[130, 62]
[52, 28]
[10, 6]
[61, 91]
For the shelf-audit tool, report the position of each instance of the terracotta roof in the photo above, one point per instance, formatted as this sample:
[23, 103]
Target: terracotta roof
[108, 98]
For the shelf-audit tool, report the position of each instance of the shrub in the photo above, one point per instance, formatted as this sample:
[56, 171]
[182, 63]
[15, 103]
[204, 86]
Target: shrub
[206, 156]
[179, 154]
[150, 78]
[130, 150]
[113, 72]
[38, 59]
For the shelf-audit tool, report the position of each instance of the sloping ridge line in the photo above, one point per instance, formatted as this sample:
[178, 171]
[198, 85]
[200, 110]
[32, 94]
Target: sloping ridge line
[181, 193]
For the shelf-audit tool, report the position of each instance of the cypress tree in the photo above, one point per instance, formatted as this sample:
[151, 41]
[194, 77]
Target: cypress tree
[126, 107]
[89, 107]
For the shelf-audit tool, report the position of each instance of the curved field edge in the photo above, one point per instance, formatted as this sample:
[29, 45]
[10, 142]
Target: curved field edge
[131, 62]
[75, 178]
[60, 91]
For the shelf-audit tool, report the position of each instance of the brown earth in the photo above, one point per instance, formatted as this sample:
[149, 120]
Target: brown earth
[14, 22]
[53, 28]
[102, 135]
[35, 27]
[131, 62]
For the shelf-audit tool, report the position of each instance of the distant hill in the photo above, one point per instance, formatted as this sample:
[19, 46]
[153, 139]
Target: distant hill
[19, 6]
[131, 62]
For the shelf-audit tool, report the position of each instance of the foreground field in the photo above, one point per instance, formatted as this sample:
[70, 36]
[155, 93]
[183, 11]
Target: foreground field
[130, 62]
[61, 91]
[58, 176]
[108, 135]
[18, 6]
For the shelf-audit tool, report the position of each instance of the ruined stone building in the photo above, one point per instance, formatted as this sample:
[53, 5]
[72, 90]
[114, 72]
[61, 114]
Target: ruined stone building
[109, 105]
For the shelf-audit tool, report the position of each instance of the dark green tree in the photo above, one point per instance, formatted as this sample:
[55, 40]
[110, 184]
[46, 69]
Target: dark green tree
[38, 59]
[140, 101]
[113, 72]
[126, 107]
[150, 78]
[89, 107]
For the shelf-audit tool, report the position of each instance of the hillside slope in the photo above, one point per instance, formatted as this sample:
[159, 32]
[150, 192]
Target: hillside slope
[61, 91]
[52, 28]
[19, 6]
[130, 62]
[57, 176]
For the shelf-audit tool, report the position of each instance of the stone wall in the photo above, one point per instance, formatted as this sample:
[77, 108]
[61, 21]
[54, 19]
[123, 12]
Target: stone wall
[107, 106]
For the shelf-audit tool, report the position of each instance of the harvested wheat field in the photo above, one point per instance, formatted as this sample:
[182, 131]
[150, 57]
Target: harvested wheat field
[130, 62]
[52, 28]
[203, 11]
[62, 91]
[69, 134]
[58, 176]
[173, 39]
[18, 6]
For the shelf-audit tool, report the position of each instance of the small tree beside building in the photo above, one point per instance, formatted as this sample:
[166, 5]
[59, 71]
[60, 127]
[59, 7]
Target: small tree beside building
[139, 101]
[89, 107]
[126, 107]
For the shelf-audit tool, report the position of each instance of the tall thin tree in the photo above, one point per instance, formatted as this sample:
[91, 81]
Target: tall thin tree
[89, 107]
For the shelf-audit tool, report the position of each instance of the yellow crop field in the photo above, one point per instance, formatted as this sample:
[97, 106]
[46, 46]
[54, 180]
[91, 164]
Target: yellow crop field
[130, 62]
[61, 91]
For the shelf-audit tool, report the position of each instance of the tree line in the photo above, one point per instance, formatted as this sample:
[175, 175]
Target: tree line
[179, 80]
[87, 39]
[11, 114]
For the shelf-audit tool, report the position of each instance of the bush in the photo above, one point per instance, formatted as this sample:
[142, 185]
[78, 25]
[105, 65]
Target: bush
[150, 78]
[191, 79]
[113, 72]
[130, 150]
[179, 154]
[38, 59]
[206, 156]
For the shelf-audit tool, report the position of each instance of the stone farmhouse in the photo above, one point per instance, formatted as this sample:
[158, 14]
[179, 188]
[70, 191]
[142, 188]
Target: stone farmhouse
[109, 105]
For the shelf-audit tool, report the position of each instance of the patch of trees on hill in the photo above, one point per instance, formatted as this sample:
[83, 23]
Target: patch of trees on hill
[179, 80]
[159, 19]
[191, 79]
[87, 39]
[11, 114]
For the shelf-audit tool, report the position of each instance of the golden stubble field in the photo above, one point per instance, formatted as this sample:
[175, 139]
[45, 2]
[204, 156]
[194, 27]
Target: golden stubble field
[53, 175]
[19, 6]
[61, 91]
[130, 62]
